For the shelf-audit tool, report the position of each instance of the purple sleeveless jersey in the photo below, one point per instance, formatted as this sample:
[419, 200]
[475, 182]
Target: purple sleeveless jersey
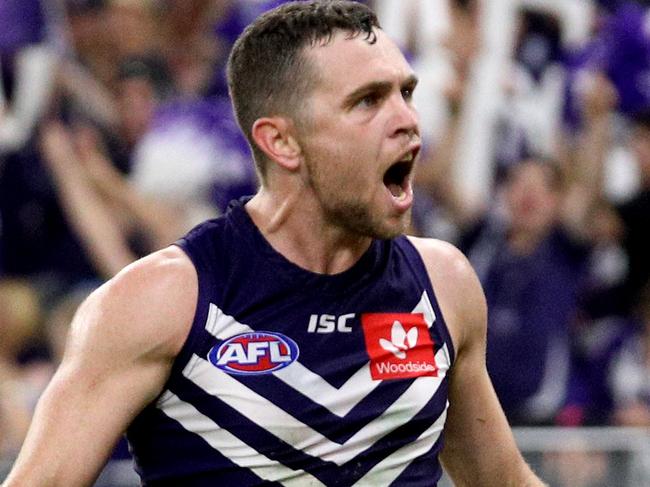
[294, 378]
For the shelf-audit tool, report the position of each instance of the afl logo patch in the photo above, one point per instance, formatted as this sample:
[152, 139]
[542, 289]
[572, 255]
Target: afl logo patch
[258, 352]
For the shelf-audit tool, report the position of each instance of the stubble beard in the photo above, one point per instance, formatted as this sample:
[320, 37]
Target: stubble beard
[359, 220]
[351, 214]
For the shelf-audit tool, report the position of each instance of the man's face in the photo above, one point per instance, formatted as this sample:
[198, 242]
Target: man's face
[361, 135]
[531, 199]
[136, 103]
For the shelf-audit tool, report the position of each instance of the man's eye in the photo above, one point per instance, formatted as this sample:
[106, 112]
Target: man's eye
[368, 101]
[407, 94]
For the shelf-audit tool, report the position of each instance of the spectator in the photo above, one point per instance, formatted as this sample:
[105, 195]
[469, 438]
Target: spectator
[622, 52]
[35, 241]
[631, 215]
[195, 46]
[531, 268]
[94, 194]
[629, 377]
[19, 320]
[133, 27]
[634, 214]
[590, 399]
[201, 136]
[28, 55]
[91, 39]
[157, 202]
[530, 247]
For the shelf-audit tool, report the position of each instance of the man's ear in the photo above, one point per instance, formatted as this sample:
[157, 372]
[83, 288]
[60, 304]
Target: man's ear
[275, 137]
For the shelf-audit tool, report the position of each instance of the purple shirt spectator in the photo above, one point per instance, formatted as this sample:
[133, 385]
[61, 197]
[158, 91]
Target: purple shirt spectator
[34, 238]
[531, 299]
[626, 37]
[621, 49]
[590, 397]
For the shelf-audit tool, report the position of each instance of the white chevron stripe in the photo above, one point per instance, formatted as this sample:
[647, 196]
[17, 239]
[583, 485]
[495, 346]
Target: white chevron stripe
[425, 307]
[338, 400]
[386, 471]
[223, 326]
[233, 448]
[302, 437]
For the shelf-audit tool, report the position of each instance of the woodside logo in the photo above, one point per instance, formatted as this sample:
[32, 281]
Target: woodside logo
[399, 345]
[410, 367]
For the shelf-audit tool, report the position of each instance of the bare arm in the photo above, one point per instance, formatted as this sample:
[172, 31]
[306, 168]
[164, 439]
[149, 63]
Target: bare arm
[35, 67]
[585, 182]
[96, 224]
[479, 446]
[123, 342]
[14, 413]
[95, 99]
[435, 174]
[162, 221]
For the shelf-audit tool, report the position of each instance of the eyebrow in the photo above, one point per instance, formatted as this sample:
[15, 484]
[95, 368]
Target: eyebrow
[380, 87]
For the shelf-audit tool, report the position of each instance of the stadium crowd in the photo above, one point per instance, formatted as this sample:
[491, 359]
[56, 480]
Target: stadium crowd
[116, 137]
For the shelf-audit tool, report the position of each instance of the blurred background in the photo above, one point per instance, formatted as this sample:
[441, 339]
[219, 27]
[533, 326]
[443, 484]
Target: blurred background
[116, 137]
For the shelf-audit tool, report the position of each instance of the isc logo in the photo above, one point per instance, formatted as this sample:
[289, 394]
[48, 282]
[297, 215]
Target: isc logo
[330, 323]
[251, 353]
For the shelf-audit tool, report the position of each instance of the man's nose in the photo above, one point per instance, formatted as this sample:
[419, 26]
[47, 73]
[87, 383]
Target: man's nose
[405, 117]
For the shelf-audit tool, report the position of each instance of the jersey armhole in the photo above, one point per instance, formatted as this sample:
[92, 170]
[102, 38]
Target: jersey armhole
[428, 286]
[195, 335]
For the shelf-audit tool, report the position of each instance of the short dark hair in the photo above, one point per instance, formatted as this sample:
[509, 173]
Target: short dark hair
[267, 73]
[152, 68]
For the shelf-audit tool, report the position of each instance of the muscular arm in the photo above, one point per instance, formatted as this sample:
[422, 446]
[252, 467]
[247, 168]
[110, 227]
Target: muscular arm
[479, 446]
[123, 341]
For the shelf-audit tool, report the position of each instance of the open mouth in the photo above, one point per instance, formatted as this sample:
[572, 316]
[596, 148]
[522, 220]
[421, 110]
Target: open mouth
[397, 176]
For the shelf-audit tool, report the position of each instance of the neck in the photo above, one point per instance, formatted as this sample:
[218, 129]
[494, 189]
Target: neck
[294, 226]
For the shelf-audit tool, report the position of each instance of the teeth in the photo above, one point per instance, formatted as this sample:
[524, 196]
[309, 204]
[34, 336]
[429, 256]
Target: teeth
[397, 191]
[409, 157]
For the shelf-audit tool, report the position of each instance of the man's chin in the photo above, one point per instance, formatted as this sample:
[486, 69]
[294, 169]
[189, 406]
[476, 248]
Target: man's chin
[394, 228]
[358, 220]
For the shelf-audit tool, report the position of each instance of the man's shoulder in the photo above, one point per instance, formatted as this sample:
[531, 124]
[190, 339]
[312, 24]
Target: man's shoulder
[441, 257]
[164, 270]
[153, 300]
[451, 273]
[458, 290]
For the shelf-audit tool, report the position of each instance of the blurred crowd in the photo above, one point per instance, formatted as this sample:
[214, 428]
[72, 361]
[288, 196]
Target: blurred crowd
[116, 137]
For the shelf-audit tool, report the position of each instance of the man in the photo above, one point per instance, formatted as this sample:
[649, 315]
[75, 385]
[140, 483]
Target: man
[297, 340]
[633, 215]
[531, 260]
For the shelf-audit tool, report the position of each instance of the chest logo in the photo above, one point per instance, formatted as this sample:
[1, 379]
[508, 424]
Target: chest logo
[399, 345]
[252, 353]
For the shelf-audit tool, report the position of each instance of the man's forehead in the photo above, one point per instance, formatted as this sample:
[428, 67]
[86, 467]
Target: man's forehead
[345, 55]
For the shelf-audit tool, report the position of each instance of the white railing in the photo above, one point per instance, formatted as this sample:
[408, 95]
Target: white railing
[586, 457]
